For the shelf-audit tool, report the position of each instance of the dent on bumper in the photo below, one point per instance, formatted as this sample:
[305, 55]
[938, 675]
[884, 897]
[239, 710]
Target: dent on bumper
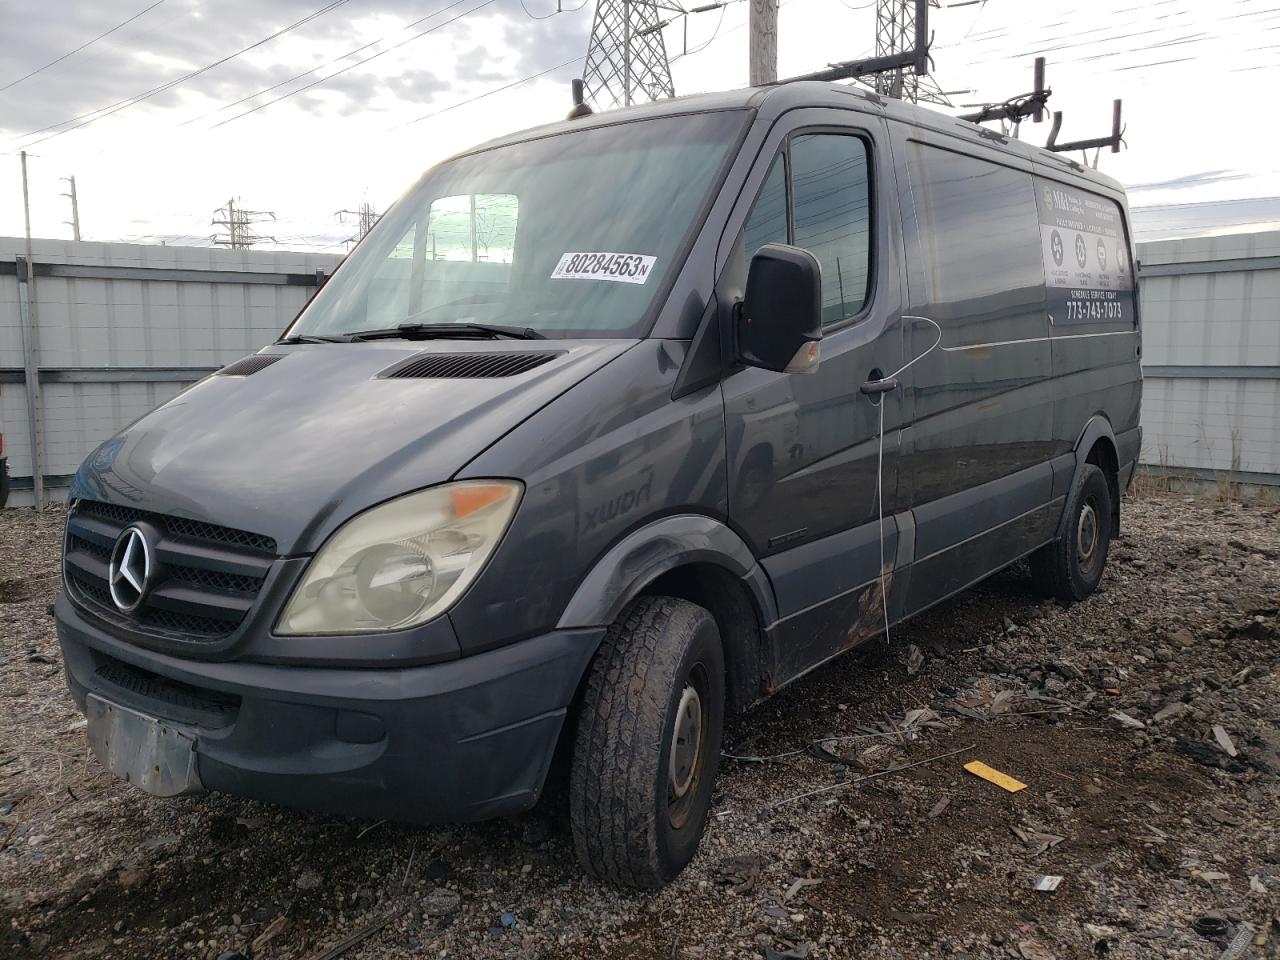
[463, 740]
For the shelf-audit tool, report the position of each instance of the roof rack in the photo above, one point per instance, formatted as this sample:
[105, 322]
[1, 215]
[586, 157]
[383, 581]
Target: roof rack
[1097, 143]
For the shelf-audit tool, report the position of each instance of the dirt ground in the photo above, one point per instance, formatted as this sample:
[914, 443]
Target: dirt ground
[1120, 715]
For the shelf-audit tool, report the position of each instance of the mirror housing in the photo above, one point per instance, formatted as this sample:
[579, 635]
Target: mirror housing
[780, 318]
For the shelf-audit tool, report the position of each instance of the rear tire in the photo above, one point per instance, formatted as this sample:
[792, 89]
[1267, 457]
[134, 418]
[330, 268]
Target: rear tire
[1071, 567]
[648, 743]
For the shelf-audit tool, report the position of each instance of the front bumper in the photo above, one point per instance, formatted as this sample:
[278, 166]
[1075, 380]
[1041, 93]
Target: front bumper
[463, 740]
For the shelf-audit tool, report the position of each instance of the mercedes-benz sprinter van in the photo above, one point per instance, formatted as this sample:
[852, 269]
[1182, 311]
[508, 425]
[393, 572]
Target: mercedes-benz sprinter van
[607, 429]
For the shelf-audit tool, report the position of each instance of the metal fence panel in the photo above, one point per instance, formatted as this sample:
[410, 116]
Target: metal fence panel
[1211, 356]
[124, 327]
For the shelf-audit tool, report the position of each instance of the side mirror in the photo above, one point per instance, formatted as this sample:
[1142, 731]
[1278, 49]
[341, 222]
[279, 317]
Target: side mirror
[780, 321]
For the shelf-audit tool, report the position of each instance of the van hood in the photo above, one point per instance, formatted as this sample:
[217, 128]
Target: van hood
[298, 446]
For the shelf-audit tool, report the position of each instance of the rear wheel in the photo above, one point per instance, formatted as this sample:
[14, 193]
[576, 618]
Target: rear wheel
[1070, 568]
[648, 743]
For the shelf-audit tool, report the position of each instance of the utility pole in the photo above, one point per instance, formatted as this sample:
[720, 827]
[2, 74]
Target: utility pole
[239, 223]
[763, 48]
[74, 222]
[627, 55]
[31, 350]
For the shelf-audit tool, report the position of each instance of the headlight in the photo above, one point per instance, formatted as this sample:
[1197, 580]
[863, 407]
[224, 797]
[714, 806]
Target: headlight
[401, 563]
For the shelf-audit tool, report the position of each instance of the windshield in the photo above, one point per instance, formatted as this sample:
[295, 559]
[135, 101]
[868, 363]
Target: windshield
[569, 235]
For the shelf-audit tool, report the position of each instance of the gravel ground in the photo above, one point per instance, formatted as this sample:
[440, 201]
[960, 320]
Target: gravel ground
[1120, 714]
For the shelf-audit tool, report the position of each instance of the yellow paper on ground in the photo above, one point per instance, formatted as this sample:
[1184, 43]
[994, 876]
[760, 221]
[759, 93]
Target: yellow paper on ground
[980, 769]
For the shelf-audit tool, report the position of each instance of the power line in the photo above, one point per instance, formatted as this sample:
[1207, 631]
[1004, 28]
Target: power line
[338, 73]
[329, 63]
[554, 13]
[87, 43]
[95, 115]
[487, 93]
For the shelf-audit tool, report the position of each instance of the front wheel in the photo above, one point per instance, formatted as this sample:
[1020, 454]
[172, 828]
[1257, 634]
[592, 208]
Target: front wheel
[1071, 567]
[648, 743]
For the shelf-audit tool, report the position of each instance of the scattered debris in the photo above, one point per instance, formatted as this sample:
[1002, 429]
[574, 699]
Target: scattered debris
[872, 776]
[276, 927]
[1210, 926]
[793, 951]
[122, 875]
[741, 874]
[1002, 780]
[915, 659]
[1239, 943]
[1037, 840]
[798, 885]
[361, 935]
[1033, 950]
[1127, 721]
[1224, 740]
[308, 879]
[441, 902]
[1047, 884]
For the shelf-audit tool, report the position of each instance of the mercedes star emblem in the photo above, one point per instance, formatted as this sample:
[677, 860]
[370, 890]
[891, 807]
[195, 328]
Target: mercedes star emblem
[129, 574]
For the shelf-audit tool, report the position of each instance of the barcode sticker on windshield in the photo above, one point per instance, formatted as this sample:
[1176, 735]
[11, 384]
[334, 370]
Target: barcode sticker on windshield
[620, 267]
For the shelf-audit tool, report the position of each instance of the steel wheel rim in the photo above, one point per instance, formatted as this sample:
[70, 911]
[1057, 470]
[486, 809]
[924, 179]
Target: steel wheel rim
[685, 759]
[1087, 536]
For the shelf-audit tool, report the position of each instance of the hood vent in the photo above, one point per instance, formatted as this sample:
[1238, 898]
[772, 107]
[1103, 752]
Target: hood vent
[466, 366]
[249, 365]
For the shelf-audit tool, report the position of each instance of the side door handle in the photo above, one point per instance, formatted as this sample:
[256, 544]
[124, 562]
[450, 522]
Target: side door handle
[876, 387]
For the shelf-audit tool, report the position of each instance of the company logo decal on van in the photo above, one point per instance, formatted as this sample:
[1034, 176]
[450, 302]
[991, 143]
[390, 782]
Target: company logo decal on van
[1081, 288]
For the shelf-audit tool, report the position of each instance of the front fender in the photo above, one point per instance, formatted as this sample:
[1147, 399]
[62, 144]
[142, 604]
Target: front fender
[645, 554]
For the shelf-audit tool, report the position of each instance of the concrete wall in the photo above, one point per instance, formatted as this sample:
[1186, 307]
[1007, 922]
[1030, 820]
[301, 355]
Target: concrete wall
[121, 328]
[1211, 356]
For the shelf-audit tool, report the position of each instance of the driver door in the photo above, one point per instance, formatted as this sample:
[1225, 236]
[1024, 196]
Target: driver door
[804, 449]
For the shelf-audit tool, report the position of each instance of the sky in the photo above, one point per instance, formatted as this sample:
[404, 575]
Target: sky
[345, 102]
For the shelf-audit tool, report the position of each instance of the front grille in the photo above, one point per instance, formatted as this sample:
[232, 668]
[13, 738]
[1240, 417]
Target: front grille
[205, 577]
[159, 695]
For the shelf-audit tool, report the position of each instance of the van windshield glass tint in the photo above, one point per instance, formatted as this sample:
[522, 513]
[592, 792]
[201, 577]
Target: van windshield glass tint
[570, 235]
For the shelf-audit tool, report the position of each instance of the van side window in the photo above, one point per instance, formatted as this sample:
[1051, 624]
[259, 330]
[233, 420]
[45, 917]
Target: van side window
[831, 199]
[768, 220]
[978, 233]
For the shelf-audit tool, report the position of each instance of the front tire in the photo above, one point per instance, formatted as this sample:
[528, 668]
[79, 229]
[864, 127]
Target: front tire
[1071, 567]
[648, 743]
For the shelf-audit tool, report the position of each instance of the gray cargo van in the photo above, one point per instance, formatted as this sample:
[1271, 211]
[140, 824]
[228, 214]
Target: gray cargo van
[608, 429]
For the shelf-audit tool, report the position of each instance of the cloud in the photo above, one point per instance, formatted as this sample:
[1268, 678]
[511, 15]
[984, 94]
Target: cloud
[1190, 180]
[182, 36]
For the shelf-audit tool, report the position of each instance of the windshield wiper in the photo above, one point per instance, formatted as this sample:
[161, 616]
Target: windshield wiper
[450, 331]
[316, 338]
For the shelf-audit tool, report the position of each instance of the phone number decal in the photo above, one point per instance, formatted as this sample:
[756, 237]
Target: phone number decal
[618, 267]
[1094, 310]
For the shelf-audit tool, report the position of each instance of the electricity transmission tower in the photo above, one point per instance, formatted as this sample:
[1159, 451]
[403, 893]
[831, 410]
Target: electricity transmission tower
[896, 32]
[627, 56]
[366, 217]
[239, 223]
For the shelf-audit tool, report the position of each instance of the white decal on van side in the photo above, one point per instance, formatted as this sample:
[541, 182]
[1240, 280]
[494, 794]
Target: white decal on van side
[1088, 277]
[619, 267]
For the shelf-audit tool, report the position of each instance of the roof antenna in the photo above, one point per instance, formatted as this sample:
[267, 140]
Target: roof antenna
[580, 108]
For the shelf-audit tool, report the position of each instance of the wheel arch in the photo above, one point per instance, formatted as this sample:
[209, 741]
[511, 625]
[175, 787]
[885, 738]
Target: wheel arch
[1097, 445]
[697, 558]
